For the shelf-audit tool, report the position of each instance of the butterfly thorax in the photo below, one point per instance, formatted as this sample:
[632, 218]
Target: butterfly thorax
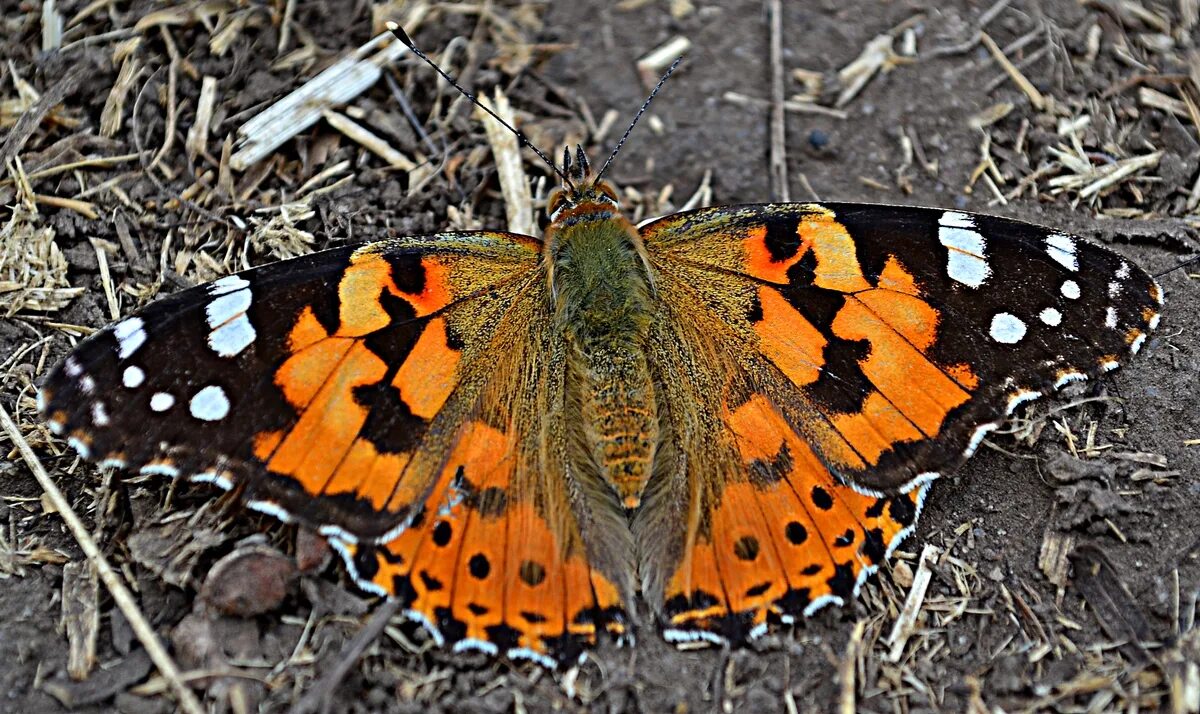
[601, 287]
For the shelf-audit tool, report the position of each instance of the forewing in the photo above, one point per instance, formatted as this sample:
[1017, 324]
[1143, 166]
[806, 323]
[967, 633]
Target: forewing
[820, 365]
[398, 398]
[910, 331]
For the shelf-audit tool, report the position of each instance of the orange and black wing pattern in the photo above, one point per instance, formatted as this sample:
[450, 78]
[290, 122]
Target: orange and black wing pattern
[375, 394]
[842, 356]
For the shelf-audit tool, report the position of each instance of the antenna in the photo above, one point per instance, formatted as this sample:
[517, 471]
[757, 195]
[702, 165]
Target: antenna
[645, 105]
[403, 37]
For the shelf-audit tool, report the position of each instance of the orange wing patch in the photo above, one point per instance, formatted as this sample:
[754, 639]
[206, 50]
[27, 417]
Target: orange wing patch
[785, 542]
[482, 569]
[819, 234]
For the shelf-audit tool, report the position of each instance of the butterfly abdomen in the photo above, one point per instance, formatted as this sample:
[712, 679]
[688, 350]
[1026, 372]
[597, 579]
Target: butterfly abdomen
[602, 288]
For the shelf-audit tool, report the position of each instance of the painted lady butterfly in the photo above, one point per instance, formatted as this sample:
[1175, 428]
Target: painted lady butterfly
[734, 411]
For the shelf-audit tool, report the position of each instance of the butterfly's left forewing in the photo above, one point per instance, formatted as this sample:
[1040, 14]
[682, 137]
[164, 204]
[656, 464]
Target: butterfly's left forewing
[396, 397]
[823, 363]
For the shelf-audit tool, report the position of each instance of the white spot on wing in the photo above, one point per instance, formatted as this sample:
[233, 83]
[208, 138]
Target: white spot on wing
[226, 307]
[425, 623]
[99, 414]
[228, 284]
[1123, 271]
[1051, 317]
[133, 377]
[677, 636]
[230, 339]
[159, 469]
[1137, 343]
[1153, 324]
[161, 401]
[80, 447]
[1109, 365]
[821, 602]
[130, 334]
[967, 262]
[271, 509]
[1070, 289]
[1066, 378]
[209, 404]
[87, 385]
[212, 477]
[977, 438]
[516, 653]
[1022, 396]
[1062, 249]
[1114, 289]
[1110, 318]
[471, 643]
[1007, 328]
[72, 368]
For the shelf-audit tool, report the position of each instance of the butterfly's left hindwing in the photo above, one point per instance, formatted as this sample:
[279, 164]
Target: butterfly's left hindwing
[838, 357]
[398, 398]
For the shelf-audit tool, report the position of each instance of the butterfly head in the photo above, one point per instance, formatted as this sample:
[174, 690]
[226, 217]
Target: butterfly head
[582, 192]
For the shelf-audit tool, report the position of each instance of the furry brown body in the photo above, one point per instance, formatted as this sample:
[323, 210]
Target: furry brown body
[602, 288]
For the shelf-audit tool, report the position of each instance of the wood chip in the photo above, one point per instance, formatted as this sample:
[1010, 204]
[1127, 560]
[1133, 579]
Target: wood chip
[876, 55]
[514, 183]
[52, 26]
[81, 617]
[651, 66]
[341, 82]
[197, 136]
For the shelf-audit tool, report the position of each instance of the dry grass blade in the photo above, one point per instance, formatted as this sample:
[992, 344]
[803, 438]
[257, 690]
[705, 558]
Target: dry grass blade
[778, 156]
[906, 622]
[52, 26]
[114, 106]
[847, 667]
[33, 270]
[514, 184]
[1035, 97]
[1150, 97]
[791, 105]
[1089, 180]
[368, 140]
[112, 581]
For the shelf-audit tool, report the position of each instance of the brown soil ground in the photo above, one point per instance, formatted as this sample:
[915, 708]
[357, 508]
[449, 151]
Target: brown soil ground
[1113, 470]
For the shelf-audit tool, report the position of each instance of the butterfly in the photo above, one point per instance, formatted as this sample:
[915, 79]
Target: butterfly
[733, 413]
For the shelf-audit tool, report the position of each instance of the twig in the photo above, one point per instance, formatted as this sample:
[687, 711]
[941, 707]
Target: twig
[320, 695]
[791, 106]
[778, 159]
[847, 668]
[116, 587]
[1035, 97]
